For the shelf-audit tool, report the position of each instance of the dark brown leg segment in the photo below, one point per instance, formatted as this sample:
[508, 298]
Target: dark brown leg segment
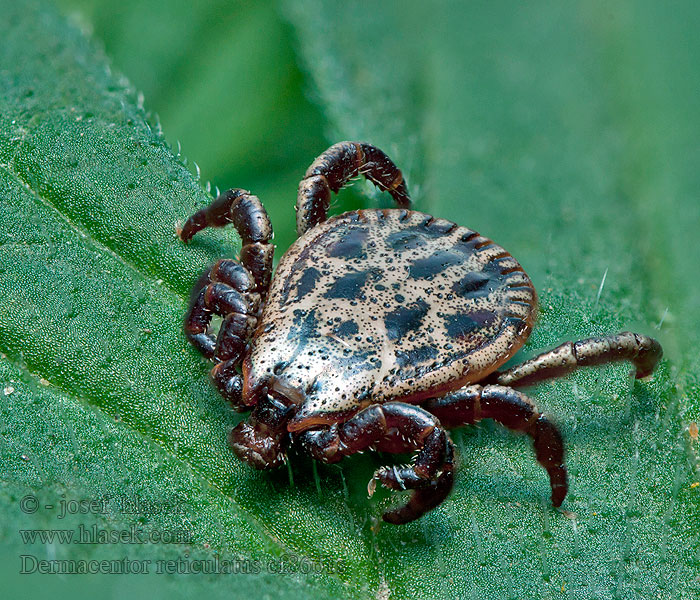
[334, 168]
[644, 352]
[230, 289]
[515, 411]
[238, 310]
[393, 427]
[250, 219]
[225, 290]
[229, 382]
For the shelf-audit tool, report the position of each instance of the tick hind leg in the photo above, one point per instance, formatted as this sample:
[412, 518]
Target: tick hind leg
[334, 168]
[515, 411]
[232, 290]
[394, 427]
[644, 353]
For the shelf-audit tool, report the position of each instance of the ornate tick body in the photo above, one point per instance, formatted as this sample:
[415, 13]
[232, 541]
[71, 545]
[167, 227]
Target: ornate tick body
[375, 332]
[381, 305]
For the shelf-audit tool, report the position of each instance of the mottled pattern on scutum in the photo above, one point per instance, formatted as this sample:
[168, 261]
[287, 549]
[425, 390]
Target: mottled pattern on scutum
[379, 305]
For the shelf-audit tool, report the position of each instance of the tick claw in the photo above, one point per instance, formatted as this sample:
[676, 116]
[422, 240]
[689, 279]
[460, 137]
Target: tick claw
[372, 486]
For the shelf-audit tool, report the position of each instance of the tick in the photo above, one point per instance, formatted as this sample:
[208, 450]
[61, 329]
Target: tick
[380, 329]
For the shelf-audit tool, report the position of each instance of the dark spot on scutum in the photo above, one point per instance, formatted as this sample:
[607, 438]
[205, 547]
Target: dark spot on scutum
[304, 327]
[350, 286]
[287, 288]
[406, 318]
[399, 298]
[307, 282]
[360, 361]
[466, 244]
[423, 268]
[493, 269]
[363, 394]
[440, 227]
[417, 356]
[314, 387]
[416, 236]
[406, 239]
[347, 329]
[279, 367]
[305, 324]
[351, 245]
[473, 284]
[460, 325]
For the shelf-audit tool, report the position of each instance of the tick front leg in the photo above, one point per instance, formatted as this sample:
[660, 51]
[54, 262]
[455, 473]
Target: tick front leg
[250, 219]
[232, 290]
[334, 168]
[644, 353]
[226, 290]
[513, 410]
[394, 427]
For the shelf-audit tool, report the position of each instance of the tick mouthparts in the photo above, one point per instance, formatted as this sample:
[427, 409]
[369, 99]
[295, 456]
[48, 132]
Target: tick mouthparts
[259, 447]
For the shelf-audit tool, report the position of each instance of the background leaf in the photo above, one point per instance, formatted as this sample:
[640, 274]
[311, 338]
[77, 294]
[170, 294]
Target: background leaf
[568, 134]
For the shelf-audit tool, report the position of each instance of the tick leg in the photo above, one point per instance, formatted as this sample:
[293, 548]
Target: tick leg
[515, 411]
[644, 352]
[393, 427]
[227, 290]
[250, 219]
[232, 290]
[229, 382]
[237, 305]
[334, 168]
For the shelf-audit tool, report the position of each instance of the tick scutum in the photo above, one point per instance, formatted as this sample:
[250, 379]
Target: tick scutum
[380, 296]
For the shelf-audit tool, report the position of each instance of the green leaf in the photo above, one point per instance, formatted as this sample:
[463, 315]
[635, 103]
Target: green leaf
[567, 135]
